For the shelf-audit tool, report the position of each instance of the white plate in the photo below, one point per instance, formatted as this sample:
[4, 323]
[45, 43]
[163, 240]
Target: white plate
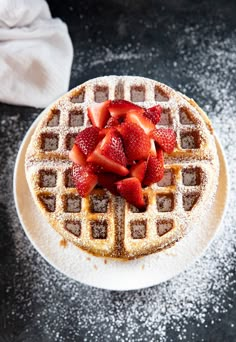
[107, 273]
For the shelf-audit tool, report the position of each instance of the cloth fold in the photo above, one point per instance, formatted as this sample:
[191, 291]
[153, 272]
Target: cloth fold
[35, 54]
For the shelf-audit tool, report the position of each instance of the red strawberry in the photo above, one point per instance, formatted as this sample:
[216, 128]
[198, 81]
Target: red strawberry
[84, 179]
[140, 120]
[77, 156]
[138, 170]
[153, 151]
[108, 180]
[107, 129]
[153, 114]
[165, 137]
[112, 147]
[108, 165]
[87, 140]
[96, 169]
[155, 168]
[112, 122]
[98, 113]
[136, 142]
[119, 108]
[131, 190]
[103, 132]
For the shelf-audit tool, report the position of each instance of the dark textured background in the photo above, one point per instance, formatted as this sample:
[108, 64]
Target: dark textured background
[191, 46]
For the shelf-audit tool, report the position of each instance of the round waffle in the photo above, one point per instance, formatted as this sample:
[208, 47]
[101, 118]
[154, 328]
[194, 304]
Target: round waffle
[104, 224]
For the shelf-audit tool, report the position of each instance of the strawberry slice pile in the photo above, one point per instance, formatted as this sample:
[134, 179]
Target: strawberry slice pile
[122, 151]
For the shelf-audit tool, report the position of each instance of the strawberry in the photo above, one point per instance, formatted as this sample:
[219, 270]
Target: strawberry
[165, 137]
[77, 156]
[136, 142]
[131, 190]
[108, 180]
[94, 168]
[153, 114]
[84, 179]
[112, 122]
[118, 108]
[153, 151]
[98, 113]
[140, 120]
[138, 170]
[155, 168]
[87, 140]
[103, 132]
[108, 127]
[112, 147]
[108, 164]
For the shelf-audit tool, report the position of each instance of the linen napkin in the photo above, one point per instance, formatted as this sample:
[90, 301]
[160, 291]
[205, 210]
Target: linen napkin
[35, 54]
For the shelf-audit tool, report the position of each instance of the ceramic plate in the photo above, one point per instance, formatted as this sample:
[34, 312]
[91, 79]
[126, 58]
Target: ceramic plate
[104, 272]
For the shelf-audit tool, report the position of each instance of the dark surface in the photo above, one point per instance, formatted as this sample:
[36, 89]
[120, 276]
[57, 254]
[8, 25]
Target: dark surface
[189, 46]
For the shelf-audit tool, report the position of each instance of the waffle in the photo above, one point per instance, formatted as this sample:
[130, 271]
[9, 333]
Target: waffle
[104, 224]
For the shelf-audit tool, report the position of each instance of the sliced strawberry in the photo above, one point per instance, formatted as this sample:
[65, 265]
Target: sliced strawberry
[131, 190]
[139, 119]
[112, 122]
[165, 137]
[153, 114]
[112, 147]
[94, 168]
[155, 168]
[109, 165]
[119, 108]
[138, 170]
[103, 132]
[84, 179]
[136, 142]
[77, 156]
[108, 180]
[98, 113]
[108, 127]
[153, 151]
[87, 140]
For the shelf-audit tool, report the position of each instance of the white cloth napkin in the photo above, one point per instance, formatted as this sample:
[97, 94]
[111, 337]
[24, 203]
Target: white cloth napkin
[35, 54]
